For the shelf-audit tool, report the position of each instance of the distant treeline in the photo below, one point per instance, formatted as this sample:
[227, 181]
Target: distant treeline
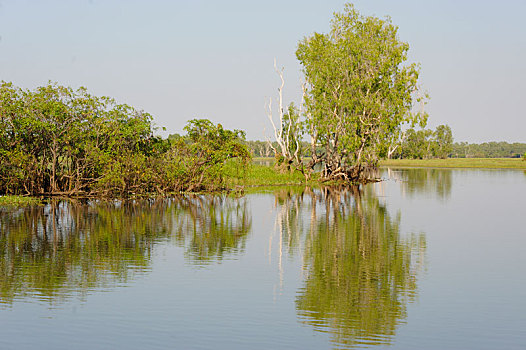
[421, 144]
[60, 141]
[488, 150]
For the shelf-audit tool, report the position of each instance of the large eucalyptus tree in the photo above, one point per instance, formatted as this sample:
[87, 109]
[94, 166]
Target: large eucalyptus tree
[360, 91]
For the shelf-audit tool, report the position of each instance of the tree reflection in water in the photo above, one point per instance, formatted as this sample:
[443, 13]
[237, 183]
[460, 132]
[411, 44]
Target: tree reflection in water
[360, 272]
[213, 226]
[426, 180]
[68, 247]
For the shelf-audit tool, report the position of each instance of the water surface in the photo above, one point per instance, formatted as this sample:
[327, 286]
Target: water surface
[428, 259]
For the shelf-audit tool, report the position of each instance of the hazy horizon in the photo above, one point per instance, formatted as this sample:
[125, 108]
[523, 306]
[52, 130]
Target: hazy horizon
[202, 59]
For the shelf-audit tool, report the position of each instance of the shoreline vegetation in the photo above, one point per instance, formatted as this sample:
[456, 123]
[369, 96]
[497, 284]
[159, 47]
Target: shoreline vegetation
[480, 163]
[261, 175]
[56, 141]
[236, 181]
[18, 201]
[358, 101]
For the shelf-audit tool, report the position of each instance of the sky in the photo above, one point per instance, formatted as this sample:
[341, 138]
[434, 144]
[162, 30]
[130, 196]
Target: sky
[185, 59]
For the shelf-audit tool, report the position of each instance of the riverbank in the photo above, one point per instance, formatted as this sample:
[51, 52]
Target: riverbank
[261, 174]
[487, 163]
[484, 163]
[237, 179]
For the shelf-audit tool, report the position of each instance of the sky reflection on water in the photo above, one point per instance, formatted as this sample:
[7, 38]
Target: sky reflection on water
[430, 258]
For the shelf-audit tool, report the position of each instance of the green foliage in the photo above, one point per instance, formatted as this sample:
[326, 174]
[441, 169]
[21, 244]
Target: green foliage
[210, 147]
[55, 140]
[426, 143]
[417, 144]
[444, 141]
[359, 90]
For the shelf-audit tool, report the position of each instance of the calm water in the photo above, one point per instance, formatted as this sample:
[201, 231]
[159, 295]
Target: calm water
[428, 259]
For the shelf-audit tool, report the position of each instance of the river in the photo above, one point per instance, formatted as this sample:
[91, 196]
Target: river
[426, 259]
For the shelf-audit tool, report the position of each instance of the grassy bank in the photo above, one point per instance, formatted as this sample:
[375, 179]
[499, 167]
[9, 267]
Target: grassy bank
[487, 163]
[257, 175]
[18, 201]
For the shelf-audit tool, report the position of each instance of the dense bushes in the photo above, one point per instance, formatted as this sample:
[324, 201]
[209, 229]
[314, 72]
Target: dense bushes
[56, 140]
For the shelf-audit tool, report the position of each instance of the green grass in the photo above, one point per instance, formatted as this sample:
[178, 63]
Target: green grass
[18, 201]
[488, 163]
[259, 176]
[255, 175]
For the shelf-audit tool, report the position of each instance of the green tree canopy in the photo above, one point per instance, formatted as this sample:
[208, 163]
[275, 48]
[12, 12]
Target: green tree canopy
[59, 141]
[444, 141]
[360, 90]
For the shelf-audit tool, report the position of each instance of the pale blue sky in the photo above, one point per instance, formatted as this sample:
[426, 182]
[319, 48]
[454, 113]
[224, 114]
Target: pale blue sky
[184, 59]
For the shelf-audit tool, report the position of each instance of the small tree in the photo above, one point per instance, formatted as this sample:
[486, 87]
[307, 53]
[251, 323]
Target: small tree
[444, 141]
